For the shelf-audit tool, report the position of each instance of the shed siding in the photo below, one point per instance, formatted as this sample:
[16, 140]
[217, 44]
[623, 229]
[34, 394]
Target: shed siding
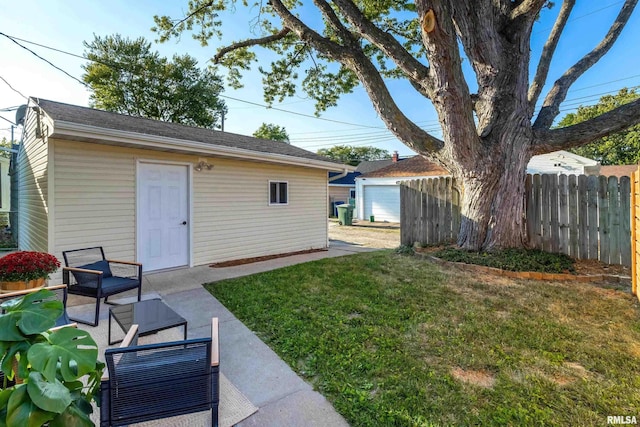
[94, 198]
[233, 219]
[95, 187]
[33, 181]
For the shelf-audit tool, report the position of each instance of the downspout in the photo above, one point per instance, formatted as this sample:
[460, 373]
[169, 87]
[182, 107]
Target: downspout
[337, 177]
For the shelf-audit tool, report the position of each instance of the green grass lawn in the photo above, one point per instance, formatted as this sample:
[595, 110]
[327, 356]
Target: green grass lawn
[394, 340]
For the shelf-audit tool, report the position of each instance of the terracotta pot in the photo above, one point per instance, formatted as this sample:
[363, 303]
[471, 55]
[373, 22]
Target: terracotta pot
[22, 285]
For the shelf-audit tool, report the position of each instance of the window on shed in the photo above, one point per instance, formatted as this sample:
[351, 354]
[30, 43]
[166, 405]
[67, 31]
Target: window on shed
[278, 193]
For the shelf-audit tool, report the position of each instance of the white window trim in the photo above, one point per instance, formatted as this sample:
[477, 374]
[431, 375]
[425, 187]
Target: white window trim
[269, 192]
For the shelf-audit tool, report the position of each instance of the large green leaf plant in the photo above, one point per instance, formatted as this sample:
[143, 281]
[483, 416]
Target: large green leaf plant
[60, 370]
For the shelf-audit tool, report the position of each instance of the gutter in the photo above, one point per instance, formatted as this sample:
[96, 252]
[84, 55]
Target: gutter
[337, 177]
[162, 143]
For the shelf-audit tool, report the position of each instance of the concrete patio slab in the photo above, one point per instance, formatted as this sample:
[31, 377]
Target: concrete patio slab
[304, 408]
[284, 399]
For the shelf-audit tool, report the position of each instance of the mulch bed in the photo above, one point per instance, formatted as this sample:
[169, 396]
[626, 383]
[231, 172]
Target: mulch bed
[243, 261]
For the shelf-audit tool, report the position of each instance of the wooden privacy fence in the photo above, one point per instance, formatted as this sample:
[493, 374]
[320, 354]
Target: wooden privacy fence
[586, 217]
[635, 231]
[429, 211]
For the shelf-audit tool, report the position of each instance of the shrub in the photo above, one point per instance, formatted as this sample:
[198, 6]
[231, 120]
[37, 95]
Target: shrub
[27, 265]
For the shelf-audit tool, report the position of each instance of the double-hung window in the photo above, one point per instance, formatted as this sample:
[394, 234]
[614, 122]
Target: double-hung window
[278, 193]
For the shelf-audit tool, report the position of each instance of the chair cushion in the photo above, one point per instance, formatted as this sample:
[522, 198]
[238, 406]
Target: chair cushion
[87, 278]
[110, 285]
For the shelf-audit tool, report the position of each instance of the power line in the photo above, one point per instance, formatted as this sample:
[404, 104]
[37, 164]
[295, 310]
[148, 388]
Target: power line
[358, 137]
[300, 114]
[7, 120]
[113, 65]
[45, 60]
[12, 88]
[583, 16]
[13, 38]
[7, 109]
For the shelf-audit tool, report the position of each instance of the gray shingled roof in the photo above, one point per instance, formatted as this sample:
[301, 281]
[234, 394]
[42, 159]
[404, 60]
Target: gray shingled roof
[108, 120]
[372, 165]
[413, 166]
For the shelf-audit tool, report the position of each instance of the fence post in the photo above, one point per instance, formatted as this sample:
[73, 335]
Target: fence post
[625, 220]
[603, 218]
[404, 223]
[592, 215]
[635, 231]
[614, 221]
[583, 230]
[535, 223]
[563, 214]
[572, 182]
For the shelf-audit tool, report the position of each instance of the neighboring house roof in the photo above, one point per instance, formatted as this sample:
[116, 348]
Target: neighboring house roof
[348, 179]
[372, 165]
[618, 170]
[413, 166]
[80, 123]
[561, 162]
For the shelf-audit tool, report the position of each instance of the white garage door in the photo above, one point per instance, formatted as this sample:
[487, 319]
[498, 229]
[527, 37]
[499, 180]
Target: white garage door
[383, 202]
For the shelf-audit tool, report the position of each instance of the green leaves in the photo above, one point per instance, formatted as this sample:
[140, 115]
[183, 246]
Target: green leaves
[51, 396]
[21, 410]
[30, 315]
[622, 148]
[354, 155]
[73, 350]
[272, 132]
[127, 77]
[53, 365]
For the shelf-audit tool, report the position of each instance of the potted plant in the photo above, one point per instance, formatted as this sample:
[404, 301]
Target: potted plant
[56, 372]
[26, 269]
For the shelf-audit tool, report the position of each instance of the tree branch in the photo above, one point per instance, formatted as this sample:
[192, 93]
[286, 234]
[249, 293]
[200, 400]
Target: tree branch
[250, 42]
[389, 45]
[547, 54]
[551, 107]
[527, 7]
[336, 24]
[354, 59]
[546, 141]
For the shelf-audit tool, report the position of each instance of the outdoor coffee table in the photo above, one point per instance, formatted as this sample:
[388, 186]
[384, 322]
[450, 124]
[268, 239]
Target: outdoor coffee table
[151, 316]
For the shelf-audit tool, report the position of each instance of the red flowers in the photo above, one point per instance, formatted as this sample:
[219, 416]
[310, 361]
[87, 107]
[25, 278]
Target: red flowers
[27, 265]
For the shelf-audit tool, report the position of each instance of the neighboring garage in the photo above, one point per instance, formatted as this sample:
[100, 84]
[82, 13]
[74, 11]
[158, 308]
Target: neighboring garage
[378, 192]
[382, 202]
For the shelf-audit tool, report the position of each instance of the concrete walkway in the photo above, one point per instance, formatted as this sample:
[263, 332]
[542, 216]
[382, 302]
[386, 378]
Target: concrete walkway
[283, 398]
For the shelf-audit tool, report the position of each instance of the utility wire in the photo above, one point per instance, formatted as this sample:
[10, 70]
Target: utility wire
[45, 60]
[346, 139]
[7, 120]
[12, 88]
[7, 109]
[113, 65]
[582, 16]
[300, 114]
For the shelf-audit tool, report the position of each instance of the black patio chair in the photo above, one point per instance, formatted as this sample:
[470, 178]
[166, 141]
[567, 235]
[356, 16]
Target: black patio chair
[60, 292]
[88, 273]
[155, 381]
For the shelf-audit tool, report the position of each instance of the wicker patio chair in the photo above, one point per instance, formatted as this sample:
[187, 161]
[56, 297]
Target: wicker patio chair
[155, 381]
[88, 273]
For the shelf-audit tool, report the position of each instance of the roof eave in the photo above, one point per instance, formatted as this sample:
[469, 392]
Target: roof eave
[119, 137]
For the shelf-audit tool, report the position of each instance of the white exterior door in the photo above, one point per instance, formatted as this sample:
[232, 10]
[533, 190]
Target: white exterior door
[383, 202]
[163, 216]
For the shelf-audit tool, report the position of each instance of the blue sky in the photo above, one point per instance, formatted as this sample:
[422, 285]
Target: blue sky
[66, 24]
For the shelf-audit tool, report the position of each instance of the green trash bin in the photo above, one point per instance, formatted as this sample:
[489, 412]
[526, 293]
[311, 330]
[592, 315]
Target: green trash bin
[345, 214]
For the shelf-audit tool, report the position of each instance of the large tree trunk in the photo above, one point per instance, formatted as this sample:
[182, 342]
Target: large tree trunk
[492, 188]
[488, 136]
[493, 209]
